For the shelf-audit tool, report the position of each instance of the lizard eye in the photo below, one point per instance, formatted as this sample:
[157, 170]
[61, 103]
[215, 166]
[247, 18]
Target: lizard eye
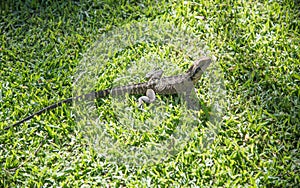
[198, 69]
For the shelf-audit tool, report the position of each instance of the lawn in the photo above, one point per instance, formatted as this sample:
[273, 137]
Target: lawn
[244, 133]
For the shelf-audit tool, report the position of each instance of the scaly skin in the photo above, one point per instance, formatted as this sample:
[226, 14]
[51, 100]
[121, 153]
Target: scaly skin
[162, 86]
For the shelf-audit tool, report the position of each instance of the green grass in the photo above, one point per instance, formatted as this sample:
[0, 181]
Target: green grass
[256, 45]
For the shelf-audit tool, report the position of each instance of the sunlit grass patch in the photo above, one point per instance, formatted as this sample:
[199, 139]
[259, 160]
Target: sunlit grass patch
[256, 44]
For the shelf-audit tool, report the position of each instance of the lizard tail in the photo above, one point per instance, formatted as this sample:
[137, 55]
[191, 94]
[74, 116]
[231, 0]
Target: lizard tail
[89, 96]
[66, 101]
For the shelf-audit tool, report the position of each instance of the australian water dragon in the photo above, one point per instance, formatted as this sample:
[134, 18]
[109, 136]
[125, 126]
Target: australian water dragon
[155, 85]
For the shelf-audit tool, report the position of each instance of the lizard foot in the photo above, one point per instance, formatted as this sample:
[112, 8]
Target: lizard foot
[149, 98]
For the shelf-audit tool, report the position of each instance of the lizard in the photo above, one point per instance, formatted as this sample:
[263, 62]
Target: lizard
[155, 85]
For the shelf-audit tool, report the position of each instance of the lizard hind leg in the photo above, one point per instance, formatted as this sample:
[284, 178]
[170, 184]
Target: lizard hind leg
[149, 98]
[150, 94]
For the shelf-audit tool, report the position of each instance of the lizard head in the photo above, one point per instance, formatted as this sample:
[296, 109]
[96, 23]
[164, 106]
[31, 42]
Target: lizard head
[198, 68]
